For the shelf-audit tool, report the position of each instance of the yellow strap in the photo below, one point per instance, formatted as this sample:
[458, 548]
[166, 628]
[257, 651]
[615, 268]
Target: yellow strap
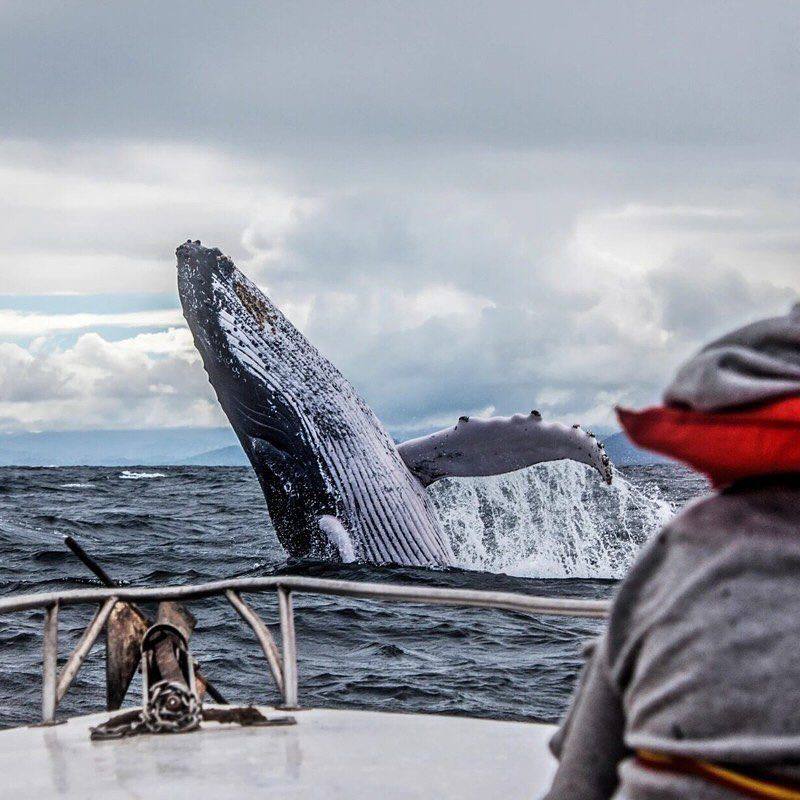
[754, 786]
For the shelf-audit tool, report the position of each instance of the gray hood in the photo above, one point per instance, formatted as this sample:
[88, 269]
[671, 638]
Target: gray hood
[754, 364]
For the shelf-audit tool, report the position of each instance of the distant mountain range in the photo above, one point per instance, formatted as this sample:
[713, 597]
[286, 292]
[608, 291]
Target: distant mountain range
[182, 446]
[624, 453]
[231, 456]
[116, 448]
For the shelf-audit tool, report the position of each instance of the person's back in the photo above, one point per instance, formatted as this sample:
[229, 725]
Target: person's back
[701, 653]
[693, 690]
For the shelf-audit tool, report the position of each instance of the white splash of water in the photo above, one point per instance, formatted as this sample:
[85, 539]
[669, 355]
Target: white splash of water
[549, 521]
[140, 476]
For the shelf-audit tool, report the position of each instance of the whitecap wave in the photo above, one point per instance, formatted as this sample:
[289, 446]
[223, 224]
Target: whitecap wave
[549, 521]
[139, 476]
[76, 485]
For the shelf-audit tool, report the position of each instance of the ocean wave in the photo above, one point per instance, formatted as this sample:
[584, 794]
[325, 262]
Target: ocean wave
[75, 485]
[550, 521]
[126, 475]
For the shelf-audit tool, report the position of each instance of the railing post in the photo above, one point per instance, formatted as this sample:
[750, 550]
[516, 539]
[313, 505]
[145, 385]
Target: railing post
[83, 647]
[263, 635]
[289, 648]
[50, 664]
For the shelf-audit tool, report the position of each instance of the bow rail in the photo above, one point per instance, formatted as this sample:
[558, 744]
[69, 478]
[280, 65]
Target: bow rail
[283, 662]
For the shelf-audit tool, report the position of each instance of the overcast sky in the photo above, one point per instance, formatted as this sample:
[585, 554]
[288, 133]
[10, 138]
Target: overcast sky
[470, 208]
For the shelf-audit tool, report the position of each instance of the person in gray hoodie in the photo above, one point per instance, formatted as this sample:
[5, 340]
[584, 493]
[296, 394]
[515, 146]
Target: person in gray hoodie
[693, 689]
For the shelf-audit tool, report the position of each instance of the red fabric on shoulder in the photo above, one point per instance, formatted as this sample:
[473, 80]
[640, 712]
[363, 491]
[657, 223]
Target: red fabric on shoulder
[727, 445]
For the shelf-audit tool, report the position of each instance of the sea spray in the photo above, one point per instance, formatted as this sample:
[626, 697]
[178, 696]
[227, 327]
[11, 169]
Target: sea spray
[549, 521]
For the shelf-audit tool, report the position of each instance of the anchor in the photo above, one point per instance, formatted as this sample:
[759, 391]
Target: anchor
[171, 702]
[172, 684]
[126, 626]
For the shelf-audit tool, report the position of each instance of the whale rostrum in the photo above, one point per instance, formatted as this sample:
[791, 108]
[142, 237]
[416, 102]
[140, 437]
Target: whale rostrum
[335, 483]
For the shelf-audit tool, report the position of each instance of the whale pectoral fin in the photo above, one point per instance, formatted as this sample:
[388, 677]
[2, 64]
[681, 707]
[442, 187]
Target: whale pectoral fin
[500, 444]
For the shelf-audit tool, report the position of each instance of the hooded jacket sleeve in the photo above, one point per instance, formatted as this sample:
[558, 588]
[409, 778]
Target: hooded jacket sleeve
[589, 744]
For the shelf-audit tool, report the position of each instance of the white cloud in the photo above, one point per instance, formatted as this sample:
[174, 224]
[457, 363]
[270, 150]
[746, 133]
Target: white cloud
[150, 380]
[106, 218]
[566, 295]
[19, 324]
[595, 304]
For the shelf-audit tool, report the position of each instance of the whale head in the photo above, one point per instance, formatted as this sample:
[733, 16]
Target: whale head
[334, 482]
[254, 359]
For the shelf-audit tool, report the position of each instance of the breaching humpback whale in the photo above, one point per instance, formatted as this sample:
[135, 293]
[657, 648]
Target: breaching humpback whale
[336, 485]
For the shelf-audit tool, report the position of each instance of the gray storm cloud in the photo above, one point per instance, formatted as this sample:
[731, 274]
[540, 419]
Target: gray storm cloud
[505, 206]
[285, 74]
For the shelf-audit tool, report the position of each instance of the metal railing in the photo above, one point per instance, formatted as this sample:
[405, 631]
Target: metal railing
[283, 662]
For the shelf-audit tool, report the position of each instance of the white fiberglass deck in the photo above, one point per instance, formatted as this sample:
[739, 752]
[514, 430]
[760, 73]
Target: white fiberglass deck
[328, 754]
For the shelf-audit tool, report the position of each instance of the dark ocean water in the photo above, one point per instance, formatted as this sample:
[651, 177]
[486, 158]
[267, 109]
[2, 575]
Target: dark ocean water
[546, 531]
